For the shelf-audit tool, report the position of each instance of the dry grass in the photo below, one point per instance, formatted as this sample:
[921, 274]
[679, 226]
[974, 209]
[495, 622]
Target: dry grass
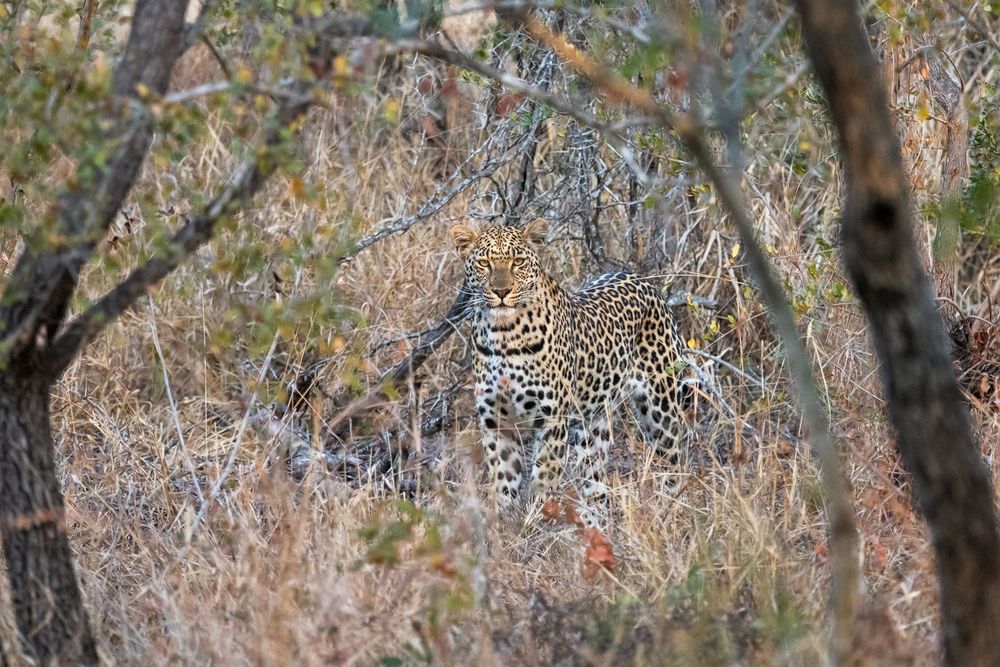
[166, 409]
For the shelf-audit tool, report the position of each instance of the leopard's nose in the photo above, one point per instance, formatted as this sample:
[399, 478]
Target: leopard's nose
[501, 292]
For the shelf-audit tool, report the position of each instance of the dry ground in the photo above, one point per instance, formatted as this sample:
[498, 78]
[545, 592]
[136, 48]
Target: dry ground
[195, 545]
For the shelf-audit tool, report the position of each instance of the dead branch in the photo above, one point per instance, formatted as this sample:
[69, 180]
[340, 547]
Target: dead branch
[403, 371]
[843, 536]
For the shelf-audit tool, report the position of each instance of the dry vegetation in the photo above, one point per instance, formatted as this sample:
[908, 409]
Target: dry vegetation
[196, 543]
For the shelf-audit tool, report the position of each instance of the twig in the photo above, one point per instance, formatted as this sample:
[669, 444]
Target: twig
[566, 107]
[244, 183]
[636, 33]
[984, 30]
[722, 362]
[400, 373]
[843, 536]
[173, 404]
[779, 90]
[235, 448]
[206, 89]
[223, 65]
[87, 11]
[427, 209]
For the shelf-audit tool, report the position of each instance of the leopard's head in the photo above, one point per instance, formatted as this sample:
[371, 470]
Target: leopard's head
[502, 265]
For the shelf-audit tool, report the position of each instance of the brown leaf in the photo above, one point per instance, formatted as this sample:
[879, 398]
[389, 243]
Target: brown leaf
[561, 510]
[429, 125]
[598, 554]
[443, 565]
[785, 448]
[552, 509]
[508, 103]
[880, 554]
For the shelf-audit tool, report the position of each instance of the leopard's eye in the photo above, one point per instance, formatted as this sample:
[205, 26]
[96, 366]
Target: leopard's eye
[483, 263]
[519, 261]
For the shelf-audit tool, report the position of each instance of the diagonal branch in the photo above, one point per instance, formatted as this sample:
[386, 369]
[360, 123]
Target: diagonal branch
[293, 99]
[339, 426]
[46, 275]
[843, 537]
[244, 183]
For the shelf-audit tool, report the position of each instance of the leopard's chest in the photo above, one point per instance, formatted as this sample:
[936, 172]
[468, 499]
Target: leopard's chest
[521, 359]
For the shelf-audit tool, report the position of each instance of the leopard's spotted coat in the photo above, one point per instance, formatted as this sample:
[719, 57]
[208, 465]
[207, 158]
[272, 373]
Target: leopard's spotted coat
[549, 363]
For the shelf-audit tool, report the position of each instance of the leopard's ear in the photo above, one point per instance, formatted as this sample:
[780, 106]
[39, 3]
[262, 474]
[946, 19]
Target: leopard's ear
[463, 238]
[535, 232]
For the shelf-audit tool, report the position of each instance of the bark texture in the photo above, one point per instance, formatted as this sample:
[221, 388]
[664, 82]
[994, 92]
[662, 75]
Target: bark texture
[935, 438]
[48, 607]
[36, 342]
[43, 587]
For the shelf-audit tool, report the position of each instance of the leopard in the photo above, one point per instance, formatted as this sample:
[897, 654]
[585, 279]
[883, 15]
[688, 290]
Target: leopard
[551, 367]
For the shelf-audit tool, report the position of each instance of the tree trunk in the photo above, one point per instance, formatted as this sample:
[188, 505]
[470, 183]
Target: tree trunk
[951, 482]
[45, 595]
[954, 174]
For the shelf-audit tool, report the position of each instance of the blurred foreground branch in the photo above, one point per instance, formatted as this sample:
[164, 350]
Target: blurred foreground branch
[952, 485]
[843, 536]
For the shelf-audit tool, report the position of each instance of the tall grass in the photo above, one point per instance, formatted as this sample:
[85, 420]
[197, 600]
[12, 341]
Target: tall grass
[195, 545]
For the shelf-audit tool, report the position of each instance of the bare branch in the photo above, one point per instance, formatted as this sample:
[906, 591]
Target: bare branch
[843, 538]
[437, 52]
[427, 209]
[611, 131]
[196, 30]
[635, 32]
[46, 275]
[284, 94]
[87, 11]
[979, 26]
[403, 371]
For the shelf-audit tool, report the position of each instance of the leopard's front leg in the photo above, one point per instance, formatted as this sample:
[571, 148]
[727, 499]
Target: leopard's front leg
[503, 458]
[549, 448]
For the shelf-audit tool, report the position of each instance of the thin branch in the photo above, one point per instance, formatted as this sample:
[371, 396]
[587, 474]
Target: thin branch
[981, 28]
[223, 65]
[782, 88]
[196, 30]
[45, 277]
[635, 32]
[427, 209]
[87, 11]
[566, 107]
[843, 537]
[216, 87]
[613, 132]
[403, 371]
[244, 183]
[722, 362]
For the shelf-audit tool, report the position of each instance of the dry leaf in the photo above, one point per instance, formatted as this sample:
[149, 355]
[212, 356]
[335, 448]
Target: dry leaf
[880, 554]
[508, 103]
[598, 555]
[561, 511]
[785, 448]
[552, 509]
